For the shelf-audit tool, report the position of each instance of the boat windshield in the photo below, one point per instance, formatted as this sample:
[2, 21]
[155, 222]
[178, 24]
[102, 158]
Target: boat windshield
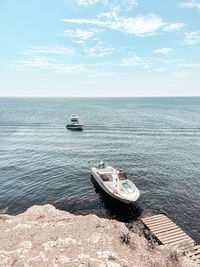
[106, 177]
[122, 176]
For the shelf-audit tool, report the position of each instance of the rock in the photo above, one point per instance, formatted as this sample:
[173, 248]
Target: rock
[45, 236]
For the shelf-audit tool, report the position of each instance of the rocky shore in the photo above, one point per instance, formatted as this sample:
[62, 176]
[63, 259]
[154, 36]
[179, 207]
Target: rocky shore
[44, 236]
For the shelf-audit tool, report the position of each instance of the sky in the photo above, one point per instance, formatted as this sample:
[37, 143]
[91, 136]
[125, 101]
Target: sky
[81, 48]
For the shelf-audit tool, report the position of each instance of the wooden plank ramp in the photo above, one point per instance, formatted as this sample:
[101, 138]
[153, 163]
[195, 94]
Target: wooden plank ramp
[168, 233]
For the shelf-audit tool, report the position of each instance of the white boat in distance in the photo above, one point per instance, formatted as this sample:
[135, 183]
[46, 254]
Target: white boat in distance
[74, 124]
[115, 183]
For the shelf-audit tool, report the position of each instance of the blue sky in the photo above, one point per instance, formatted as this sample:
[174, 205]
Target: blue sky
[100, 48]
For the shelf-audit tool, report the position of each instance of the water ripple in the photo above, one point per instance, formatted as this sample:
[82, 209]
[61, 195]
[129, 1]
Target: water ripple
[155, 140]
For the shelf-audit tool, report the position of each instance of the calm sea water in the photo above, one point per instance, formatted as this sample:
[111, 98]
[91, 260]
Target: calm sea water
[156, 141]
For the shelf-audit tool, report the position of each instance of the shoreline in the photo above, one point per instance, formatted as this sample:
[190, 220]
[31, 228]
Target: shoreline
[45, 236]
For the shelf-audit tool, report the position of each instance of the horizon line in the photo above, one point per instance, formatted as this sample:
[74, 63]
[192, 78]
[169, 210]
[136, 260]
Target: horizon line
[99, 96]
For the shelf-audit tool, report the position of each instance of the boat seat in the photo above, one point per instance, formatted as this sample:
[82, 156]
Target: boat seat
[122, 176]
[106, 177]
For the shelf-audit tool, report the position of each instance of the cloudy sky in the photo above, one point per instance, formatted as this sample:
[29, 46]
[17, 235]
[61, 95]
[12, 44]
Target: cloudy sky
[100, 48]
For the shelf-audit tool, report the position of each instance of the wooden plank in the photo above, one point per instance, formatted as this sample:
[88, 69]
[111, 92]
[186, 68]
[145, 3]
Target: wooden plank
[170, 233]
[152, 218]
[162, 226]
[187, 245]
[196, 247]
[193, 252]
[195, 257]
[197, 261]
[180, 241]
[187, 250]
[190, 247]
[165, 220]
[168, 238]
[159, 223]
[164, 230]
[177, 230]
[155, 216]
[157, 219]
[162, 223]
[196, 251]
[177, 239]
[196, 254]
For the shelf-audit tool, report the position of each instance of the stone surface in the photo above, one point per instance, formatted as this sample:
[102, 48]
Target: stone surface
[45, 236]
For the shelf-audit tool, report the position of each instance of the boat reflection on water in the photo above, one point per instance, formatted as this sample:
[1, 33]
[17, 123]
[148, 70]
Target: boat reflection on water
[116, 209]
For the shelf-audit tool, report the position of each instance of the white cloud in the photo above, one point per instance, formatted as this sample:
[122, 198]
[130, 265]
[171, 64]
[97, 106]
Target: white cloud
[131, 4]
[128, 4]
[141, 25]
[99, 51]
[81, 42]
[173, 27]
[181, 74]
[87, 2]
[44, 63]
[161, 69]
[192, 38]
[113, 14]
[133, 61]
[81, 34]
[190, 65]
[163, 51]
[190, 4]
[59, 50]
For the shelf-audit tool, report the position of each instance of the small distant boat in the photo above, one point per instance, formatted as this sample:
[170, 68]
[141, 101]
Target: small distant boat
[115, 183]
[74, 124]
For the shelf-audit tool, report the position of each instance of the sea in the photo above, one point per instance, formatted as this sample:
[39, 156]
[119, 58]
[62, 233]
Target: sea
[155, 141]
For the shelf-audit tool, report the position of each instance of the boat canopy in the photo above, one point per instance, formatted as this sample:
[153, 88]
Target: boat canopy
[74, 118]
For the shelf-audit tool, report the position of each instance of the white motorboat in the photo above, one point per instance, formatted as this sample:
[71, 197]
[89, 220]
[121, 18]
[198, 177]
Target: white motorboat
[115, 183]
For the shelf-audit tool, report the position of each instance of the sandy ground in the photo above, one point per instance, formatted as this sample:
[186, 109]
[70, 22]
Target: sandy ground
[45, 236]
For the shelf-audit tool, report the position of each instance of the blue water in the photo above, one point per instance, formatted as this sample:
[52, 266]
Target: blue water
[156, 141]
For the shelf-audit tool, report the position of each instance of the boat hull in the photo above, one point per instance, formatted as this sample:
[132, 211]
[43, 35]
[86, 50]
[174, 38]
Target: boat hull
[74, 127]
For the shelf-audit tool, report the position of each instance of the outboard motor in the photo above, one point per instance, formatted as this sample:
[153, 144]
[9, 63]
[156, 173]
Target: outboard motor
[101, 165]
